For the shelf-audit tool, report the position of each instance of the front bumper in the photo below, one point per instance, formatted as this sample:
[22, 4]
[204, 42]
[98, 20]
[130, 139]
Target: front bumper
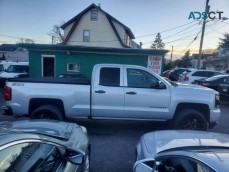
[7, 110]
[214, 115]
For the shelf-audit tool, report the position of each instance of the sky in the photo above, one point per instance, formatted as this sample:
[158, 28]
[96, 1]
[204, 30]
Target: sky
[34, 19]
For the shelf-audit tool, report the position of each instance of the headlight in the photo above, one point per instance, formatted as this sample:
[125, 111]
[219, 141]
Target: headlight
[217, 99]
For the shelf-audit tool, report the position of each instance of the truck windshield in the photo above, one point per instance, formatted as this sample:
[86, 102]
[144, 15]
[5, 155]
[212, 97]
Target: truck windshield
[18, 69]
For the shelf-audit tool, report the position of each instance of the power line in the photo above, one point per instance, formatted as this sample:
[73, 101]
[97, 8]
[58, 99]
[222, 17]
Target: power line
[192, 41]
[16, 37]
[179, 31]
[179, 45]
[207, 33]
[163, 31]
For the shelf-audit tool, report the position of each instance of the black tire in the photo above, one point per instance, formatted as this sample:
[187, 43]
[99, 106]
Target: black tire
[47, 112]
[190, 119]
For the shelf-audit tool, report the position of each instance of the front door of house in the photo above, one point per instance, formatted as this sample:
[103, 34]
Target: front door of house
[48, 66]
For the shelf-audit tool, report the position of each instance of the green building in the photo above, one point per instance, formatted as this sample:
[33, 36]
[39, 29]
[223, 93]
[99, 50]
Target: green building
[52, 60]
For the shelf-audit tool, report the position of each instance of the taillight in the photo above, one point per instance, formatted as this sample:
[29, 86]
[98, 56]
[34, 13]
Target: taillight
[7, 93]
[186, 78]
[217, 101]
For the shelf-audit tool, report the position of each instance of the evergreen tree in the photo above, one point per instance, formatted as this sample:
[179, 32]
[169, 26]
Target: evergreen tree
[224, 42]
[3, 57]
[158, 44]
[184, 62]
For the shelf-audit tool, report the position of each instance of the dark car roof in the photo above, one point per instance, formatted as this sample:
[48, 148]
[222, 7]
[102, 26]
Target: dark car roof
[216, 77]
[56, 129]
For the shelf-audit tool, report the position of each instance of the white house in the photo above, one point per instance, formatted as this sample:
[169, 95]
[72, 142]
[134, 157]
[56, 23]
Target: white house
[12, 52]
[95, 27]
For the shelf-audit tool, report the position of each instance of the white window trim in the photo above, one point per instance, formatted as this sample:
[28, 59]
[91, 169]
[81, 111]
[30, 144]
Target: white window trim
[94, 19]
[89, 35]
[42, 59]
[73, 70]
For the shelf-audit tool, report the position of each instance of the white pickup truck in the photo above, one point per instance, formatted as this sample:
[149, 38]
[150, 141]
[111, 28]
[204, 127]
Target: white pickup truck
[115, 91]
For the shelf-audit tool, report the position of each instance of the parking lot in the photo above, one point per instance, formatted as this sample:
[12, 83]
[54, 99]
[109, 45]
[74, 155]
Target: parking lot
[113, 142]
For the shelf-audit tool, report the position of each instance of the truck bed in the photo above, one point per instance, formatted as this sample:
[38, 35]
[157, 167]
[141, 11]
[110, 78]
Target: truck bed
[53, 80]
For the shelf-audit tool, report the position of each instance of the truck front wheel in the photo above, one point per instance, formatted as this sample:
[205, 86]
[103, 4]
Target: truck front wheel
[190, 119]
[47, 112]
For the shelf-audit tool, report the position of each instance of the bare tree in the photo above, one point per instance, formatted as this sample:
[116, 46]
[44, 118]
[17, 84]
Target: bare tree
[56, 34]
[27, 40]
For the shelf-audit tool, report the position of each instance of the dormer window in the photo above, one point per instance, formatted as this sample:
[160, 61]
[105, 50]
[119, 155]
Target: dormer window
[127, 39]
[94, 15]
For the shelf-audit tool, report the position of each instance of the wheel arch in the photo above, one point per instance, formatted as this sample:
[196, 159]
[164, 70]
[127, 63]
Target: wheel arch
[200, 107]
[37, 102]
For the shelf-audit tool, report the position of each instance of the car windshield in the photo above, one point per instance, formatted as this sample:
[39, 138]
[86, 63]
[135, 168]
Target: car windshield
[18, 69]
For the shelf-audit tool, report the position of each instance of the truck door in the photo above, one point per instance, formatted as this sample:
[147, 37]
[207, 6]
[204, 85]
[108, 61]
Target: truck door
[142, 101]
[107, 93]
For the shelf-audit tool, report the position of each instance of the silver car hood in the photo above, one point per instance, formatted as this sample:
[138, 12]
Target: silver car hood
[58, 129]
[159, 141]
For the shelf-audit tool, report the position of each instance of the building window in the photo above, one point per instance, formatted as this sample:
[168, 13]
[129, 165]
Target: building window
[86, 36]
[73, 67]
[94, 15]
[127, 39]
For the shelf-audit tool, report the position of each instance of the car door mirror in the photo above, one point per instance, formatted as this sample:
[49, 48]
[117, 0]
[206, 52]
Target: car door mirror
[147, 165]
[158, 85]
[75, 157]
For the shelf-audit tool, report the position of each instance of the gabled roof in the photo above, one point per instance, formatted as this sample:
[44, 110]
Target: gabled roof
[75, 20]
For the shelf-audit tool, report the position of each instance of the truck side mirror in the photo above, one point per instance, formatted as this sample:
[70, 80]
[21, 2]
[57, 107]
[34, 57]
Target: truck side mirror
[158, 85]
[145, 165]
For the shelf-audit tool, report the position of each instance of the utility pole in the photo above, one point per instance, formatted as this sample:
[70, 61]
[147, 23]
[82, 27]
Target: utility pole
[207, 7]
[171, 57]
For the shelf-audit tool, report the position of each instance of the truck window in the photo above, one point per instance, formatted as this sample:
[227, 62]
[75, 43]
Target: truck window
[109, 77]
[18, 69]
[140, 78]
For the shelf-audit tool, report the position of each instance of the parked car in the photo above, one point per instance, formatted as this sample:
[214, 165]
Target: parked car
[14, 71]
[43, 146]
[115, 92]
[5, 64]
[72, 76]
[191, 76]
[213, 82]
[224, 91]
[182, 151]
[174, 74]
[166, 73]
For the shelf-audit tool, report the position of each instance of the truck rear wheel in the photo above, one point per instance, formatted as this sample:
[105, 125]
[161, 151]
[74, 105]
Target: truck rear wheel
[190, 119]
[47, 112]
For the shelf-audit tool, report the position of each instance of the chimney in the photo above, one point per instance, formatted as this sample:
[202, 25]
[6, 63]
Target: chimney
[99, 5]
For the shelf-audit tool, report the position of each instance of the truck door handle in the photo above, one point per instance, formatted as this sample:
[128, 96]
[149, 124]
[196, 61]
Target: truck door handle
[100, 91]
[131, 93]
